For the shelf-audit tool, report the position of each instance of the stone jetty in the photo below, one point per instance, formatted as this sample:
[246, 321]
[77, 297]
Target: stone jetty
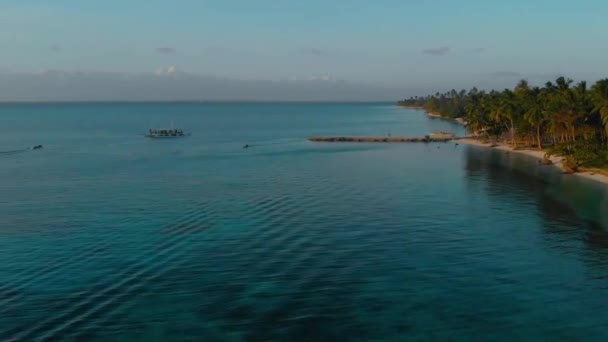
[373, 139]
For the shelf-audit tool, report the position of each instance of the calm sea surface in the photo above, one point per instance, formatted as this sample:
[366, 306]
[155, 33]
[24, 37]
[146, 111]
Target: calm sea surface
[106, 235]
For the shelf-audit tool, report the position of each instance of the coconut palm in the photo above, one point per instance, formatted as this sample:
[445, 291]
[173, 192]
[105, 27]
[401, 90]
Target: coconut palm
[535, 111]
[599, 98]
[574, 117]
[475, 112]
[503, 111]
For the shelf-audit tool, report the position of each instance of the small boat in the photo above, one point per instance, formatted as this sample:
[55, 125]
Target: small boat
[166, 133]
[442, 135]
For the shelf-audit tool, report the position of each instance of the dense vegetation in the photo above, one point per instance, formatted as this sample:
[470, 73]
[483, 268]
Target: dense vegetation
[569, 120]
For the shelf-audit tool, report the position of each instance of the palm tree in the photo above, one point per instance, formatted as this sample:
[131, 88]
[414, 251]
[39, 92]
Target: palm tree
[582, 108]
[599, 97]
[560, 104]
[522, 95]
[574, 117]
[475, 113]
[535, 111]
[502, 111]
[562, 83]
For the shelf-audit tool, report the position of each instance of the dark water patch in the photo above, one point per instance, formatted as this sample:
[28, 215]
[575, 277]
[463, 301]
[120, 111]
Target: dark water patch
[105, 297]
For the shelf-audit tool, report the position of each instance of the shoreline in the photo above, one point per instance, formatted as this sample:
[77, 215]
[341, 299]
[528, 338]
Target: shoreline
[459, 121]
[377, 139]
[557, 161]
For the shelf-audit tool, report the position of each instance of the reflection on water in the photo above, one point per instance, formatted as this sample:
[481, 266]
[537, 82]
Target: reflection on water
[559, 197]
[573, 209]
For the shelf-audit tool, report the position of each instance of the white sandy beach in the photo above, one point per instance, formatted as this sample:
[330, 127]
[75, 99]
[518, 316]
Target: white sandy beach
[557, 161]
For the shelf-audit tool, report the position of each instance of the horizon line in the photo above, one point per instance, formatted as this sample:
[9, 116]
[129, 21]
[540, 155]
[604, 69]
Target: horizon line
[34, 102]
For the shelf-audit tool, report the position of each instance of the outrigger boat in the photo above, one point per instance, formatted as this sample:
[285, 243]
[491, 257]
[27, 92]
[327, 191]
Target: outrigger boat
[166, 133]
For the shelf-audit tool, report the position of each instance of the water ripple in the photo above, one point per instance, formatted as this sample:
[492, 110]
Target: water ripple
[293, 241]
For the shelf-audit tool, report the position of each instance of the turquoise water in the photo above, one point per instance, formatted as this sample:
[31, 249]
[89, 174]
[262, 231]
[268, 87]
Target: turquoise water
[105, 235]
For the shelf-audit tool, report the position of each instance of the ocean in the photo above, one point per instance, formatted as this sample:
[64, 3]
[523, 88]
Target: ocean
[107, 235]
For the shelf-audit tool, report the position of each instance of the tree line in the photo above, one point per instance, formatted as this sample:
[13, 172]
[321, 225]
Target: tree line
[565, 118]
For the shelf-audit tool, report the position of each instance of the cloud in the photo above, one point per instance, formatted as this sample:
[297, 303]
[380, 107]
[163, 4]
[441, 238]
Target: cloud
[58, 85]
[165, 50]
[506, 74]
[440, 51]
[321, 78]
[314, 78]
[55, 48]
[166, 71]
[479, 50]
[314, 52]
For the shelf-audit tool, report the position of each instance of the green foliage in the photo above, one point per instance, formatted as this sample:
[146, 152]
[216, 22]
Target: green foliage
[450, 105]
[571, 119]
[583, 153]
[599, 95]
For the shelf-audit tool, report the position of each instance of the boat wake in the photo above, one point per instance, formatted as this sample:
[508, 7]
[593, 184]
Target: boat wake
[9, 153]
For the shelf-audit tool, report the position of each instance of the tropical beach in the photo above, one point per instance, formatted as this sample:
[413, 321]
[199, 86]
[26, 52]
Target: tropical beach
[560, 124]
[556, 161]
[269, 171]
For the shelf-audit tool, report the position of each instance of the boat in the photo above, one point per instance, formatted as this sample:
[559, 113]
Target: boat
[166, 133]
[441, 135]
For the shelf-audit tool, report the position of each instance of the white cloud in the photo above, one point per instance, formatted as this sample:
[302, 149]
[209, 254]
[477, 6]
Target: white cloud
[170, 84]
[314, 78]
[319, 78]
[166, 71]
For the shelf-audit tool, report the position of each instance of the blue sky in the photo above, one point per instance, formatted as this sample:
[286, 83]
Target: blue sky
[384, 43]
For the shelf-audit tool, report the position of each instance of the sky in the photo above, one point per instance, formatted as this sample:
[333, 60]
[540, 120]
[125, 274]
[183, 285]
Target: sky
[292, 49]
